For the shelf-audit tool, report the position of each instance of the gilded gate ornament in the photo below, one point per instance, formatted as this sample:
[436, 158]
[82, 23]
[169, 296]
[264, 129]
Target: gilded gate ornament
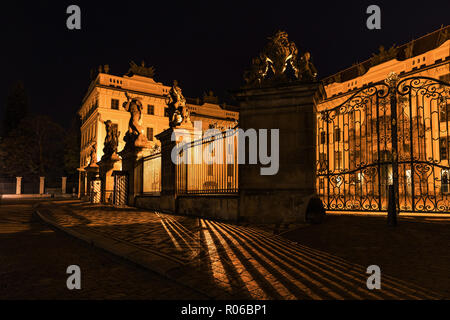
[276, 58]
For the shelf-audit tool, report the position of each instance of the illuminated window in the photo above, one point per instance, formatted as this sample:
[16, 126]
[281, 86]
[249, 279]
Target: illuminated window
[114, 104]
[338, 159]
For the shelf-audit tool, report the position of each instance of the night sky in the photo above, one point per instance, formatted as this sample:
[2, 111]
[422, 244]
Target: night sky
[204, 45]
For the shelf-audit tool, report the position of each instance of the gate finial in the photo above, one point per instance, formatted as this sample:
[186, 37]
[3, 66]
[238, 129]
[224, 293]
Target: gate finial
[392, 79]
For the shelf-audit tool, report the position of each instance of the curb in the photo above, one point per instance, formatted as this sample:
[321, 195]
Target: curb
[159, 264]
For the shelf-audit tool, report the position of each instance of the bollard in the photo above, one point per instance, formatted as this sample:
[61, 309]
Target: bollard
[63, 185]
[41, 185]
[18, 185]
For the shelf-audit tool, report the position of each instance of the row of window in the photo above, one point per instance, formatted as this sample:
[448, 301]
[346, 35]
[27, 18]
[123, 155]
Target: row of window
[115, 81]
[88, 135]
[336, 136]
[418, 60]
[150, 108]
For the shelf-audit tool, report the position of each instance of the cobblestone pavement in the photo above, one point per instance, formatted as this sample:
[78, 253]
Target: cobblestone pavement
[34, 259]
[417, 250]
[242, 262]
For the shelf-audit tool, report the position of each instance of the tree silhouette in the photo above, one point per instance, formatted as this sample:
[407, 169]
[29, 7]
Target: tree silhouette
[15, 108]
[34, 148]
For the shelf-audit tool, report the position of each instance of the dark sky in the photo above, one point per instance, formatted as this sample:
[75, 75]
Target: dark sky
[205, 45]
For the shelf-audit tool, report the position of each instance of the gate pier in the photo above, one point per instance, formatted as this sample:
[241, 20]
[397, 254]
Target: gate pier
[285, 196]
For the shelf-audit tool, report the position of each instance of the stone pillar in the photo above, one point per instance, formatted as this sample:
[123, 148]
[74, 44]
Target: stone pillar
[129, 161]
[41, 185]
[168, 168]
[85, 183]
[106, 168]
[92, 173]
[284, 197]
[80, 183]
[63, 185]
[18, 185]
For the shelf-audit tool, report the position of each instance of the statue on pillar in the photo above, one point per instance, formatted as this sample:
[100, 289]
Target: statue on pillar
[178, 111]
[305, 69]
[93, 155]
[280, 61]
[135, 137]
[111, 141]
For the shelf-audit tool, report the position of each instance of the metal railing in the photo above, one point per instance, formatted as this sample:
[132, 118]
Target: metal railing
[151, 174]
[208, 165]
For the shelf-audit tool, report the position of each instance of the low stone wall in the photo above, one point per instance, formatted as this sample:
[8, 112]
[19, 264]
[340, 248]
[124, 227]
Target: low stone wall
[272, 208]
[148, 202]
[215, 207]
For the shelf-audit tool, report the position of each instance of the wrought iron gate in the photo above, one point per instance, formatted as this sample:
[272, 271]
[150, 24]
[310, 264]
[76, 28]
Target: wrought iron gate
[393, 132]
[120, 197]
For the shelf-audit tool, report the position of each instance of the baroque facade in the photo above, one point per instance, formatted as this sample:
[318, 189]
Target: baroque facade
[104, 101]
[354, 145]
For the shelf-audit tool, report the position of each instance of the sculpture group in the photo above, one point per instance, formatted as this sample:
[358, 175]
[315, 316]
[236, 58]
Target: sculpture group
[111, 141]
[276, 58]
[134, 138]
[178, 112]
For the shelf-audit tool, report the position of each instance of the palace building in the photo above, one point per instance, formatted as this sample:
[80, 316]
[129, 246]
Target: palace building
[105, 96]
[356, 122]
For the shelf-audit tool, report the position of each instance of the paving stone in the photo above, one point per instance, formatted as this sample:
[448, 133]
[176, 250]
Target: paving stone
[219, 268]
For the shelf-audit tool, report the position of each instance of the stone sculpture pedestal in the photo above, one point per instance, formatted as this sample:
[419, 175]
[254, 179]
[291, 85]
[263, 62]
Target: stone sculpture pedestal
[107, 165]
[92, 171]
[169, 175]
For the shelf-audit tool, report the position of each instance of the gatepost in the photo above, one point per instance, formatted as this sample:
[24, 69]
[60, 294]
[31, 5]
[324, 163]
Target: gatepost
[169, 174]
[286, 102]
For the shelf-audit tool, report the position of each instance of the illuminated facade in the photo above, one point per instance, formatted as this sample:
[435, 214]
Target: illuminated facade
[355, 145]
[103, 101]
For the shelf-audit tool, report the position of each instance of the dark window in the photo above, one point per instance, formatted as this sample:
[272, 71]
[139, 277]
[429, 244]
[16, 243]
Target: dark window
[337, 134]
[443, 148]
[444, 181]
[210, 169]
[150, 134]
[115, 104]
[150, 109]
[445, 78]
[406, 148]
[321, 184]
[322, 137]
[166, 112]
[230, 169]
[444, 114]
